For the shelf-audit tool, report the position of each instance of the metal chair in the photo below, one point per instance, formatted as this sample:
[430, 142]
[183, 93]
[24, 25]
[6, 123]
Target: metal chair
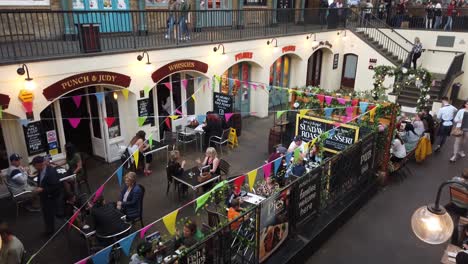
[19, 198]
[169, 138]
[185, 138]
[220, 141]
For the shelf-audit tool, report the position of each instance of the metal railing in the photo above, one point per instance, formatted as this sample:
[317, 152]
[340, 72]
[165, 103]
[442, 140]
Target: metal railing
[455, 69]
[27, 35]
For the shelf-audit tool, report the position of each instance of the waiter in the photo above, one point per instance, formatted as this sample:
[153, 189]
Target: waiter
[49, 192]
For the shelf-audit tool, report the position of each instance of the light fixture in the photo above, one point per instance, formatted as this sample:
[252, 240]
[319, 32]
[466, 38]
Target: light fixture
[432, 224]
[29, 83]
[344, 36]
[404, 70]
[314, 42]
[116, 96]
[148, 66]
[215, 49]
[275, 47]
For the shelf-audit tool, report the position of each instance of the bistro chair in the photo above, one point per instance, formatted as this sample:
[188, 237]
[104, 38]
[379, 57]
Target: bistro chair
[20, 198]
[185, 138]
[224, 166]
[170, 181]
[140, 217]
[169, 138]
[220, 141]
[459, 197]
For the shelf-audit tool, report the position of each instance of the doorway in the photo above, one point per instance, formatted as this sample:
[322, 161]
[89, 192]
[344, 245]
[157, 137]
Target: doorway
[280, 72]
[314, 68]
[238, 77]
[349, 71]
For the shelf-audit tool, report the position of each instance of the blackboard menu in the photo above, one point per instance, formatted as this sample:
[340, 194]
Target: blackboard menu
[341, 139]
[35, 138]
[309, 129]
[145, 108]
[196, 256]
[307, 196]
[367, 156]
[335, 60]
[222, 103]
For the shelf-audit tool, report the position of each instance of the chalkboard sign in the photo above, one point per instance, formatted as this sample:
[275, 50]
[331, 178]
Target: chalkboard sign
[145, 108]
[307, 196]
[196, 256]
[335, 60]
[311, 127]
[367, 156]
[35, 138]
[222, 103]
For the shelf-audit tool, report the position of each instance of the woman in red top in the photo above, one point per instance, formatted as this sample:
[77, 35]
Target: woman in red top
[451, 12]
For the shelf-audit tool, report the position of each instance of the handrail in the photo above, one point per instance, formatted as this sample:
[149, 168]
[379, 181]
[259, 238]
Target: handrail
[455, 67]
[445, 51]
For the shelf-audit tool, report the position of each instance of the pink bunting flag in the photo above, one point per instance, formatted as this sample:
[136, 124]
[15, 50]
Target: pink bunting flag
[254, 86]
[77, 100]
[168, 122]
[184, 83]
[110, 121]
[228, 116]
[144, 229]
[354, 102]
[349, 111]
[267, 170]
[341, 101]
[328, 99]
[98, 193]
[320, 97]
[336, 124]
[74, 122]
[83, 261]
[178, 112]
[168, 86]
[73, 218]
[28, 106]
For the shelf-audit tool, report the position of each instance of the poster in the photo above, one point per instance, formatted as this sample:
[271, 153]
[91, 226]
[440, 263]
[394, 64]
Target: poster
[78, 4]
[34, 137]
[24, 2]
[222, 103]
[196, 256]
[145, 108]
[93, 5]
[121, 4]
[336, 58]
[107, 4]
[156, 3]
[309, 127]
[274, 223]
[307, 196]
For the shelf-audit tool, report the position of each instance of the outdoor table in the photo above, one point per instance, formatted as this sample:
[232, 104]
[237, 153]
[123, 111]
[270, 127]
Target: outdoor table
[198, 132]
[190, 178]
[252, 198]
[450, 251]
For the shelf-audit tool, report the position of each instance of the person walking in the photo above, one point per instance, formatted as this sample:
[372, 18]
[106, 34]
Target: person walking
[416, 51]
[461, 124]
[445, 114]
[429, 15]
[438, 15]
[11, 248]
[49, 192]
[368, 12]
[451, 12]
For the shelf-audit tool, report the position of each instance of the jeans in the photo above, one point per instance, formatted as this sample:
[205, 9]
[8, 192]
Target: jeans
[444, 132]
[429, 22]
[459, 144]
[399, 20]
[438, 22]
[448, 25]
[183, 29]
[170, 26]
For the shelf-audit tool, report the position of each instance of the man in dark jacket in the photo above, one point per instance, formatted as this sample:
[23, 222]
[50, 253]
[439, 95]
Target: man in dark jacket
[49, 188]
[106, 219]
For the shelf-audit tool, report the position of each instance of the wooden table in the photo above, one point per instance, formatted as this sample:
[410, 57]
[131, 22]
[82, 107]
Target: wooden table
[450, 248]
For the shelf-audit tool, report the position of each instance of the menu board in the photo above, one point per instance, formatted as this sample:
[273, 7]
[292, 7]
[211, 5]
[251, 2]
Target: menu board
[309, 127]
[196, 256]
[367, 156]
[335, 60]
[222, 103]
[307, 196]
[35, 139]
[145, 108]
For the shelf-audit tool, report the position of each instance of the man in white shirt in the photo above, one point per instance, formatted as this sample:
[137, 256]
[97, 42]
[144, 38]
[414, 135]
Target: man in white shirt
[445, 114]
[297, 143]
[17, 181]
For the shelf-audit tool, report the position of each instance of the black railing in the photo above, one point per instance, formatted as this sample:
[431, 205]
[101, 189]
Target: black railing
[371, 28]
[455, 69]
[33, 35]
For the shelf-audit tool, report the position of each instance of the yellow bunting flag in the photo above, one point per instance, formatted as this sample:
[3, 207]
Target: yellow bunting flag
[252, 176]
[136, 155]
[173, 117]
[290, 91]
[303, 111]
[170, 222]
[125, 93]
[193, 97]
[372, 113]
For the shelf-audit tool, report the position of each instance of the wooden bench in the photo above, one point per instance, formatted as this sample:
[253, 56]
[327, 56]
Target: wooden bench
[400, 170]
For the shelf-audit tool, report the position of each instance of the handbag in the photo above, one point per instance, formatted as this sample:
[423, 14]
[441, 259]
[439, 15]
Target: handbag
[456, 132]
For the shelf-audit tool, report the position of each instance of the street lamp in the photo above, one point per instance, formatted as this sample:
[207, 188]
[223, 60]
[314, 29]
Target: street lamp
[432, 224]
[148, 66]
[215, 49]
[29, 83]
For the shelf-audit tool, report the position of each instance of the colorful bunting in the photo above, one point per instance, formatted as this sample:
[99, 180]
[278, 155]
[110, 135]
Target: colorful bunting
[336, 124]
[297, 153]
[320, 97]
[354, 102]
[178, 111]
[1, 112]
[102, 257]
[126, 243]
[146, 90]
[83, 261]
[363, 106]
[141, 120]
[110, 121]
[24, 122]
[280, 113]
[277, 164]
[98, 193]
[125, 93]
[77, 100]
[341, 101]
[252, 176]
[144, 229]
[136, 155]
[99, 97]
[237, 82]
[120, 174]
[193, 97]
[150, 140]
[239, 181]
[288, 158]
[173, 117]
[228, 116]
[372, 113]
[184, 83]
[168, 85]
[254, 86]
[201, 201]
[328, 99]
[170, 222]
[73, 218]
[328, 112]
[303, 111]
[267, 170]
[349, 111]
[331, 133]
[74, 122]
[28, 106]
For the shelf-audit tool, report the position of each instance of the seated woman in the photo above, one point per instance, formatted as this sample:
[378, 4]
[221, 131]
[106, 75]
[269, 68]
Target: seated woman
[189, 237]
[130, 197]
[175, 168]
[211, 160]
[106, 219]
[314, 154]
[410, 137]
[418, 125]
[398, 149]
[138, 142]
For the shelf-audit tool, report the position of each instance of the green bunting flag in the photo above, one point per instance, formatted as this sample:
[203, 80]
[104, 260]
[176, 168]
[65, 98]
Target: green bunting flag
[279, 114]
[150, 140]
[201, 201]
[297, 153]
[141, 120]
[147, 88]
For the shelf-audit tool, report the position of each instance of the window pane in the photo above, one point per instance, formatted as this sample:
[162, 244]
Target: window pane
[112, 110]
[176, 92]
[190, 90]
[49, 126]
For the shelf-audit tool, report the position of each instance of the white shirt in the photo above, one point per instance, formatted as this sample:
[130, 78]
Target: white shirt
[125, 197]
[398, 149]
[419, 127]
[459, 117]
[293, 146]
[446, 114]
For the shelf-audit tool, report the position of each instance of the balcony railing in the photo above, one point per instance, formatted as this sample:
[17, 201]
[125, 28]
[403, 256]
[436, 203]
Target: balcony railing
[39, 35]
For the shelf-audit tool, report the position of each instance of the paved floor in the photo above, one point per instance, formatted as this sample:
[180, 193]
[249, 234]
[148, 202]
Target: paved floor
[381, 231]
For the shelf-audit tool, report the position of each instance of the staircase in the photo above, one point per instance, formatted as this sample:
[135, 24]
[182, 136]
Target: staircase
[409, 94]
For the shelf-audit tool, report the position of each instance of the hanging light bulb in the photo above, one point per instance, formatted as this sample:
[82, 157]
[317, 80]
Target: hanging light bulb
[115, 95]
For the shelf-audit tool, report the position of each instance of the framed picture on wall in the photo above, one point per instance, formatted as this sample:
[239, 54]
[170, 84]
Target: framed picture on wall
[156, 3]
[335, 60]
[78, 4]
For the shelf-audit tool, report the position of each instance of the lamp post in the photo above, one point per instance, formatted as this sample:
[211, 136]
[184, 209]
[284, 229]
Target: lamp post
[432, 224]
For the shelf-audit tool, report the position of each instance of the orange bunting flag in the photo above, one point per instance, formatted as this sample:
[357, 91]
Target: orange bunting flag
[372, 112]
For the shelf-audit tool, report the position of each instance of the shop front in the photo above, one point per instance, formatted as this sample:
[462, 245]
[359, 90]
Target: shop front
[84, 111]
[319, 63]
[280, 72]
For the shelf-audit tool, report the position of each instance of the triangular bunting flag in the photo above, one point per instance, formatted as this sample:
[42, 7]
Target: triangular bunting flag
[83, 261]
[201, 201]
[193, 97]
[77, 100]
[28, 106]
[144, 229]
[341, 101]
[349, 111]
[178, 112]
[184, 83]
[277, 163]
[238, 183]
[125, 93]
[297, 153]
[254, 86]
[136, 155]
[141, 120]
[98, 193]
[24, 122]
[99, 97]
[328, 99]
[110, 121]
[1, 112]
[74, 122]
[201, 118]
[267, 170]
[73, 218]
[150, 140]
[173, 117]
[146, 90]
[219, 185]
[328, 112]
[280, 113]
[252, 176]
[168, 122]
[119, 175]
[126, 243]
[237, 82]
[288, 158]
[363, 106]
[303, 111]
[331, 133]
[228, 116]
[168, 85]
[354, 102]
[170, 222]
[372, 113]
[102, 257]
[320, 97]
[336, 124]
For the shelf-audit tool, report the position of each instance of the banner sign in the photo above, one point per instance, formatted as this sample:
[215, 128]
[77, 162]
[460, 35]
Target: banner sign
[222, 103]
[274, 223]
[196, 256]
[309, 127]
[34, 136]
[307, 196]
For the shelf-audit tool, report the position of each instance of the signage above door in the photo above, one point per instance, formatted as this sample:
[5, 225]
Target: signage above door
[243, 56]
[179, 66]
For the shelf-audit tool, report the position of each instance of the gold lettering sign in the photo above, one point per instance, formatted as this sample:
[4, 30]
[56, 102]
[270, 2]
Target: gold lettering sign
[181, 66]
[86, 80]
